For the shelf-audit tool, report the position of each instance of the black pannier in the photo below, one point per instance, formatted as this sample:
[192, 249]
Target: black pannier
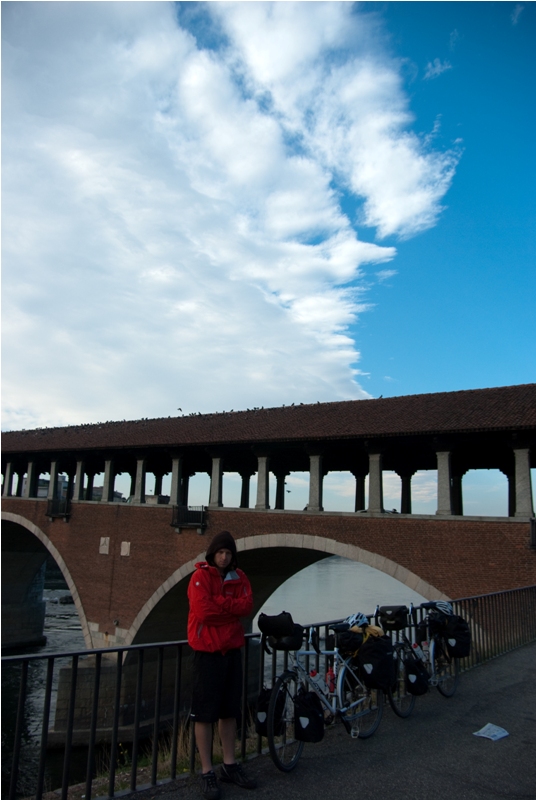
[376, 663]
[393, 618]
[261, 714]
[308, 717]
[349, 642]
[457, 635]
[416, 676]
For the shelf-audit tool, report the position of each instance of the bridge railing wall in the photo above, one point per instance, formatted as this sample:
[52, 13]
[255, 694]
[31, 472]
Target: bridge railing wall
[118, 719]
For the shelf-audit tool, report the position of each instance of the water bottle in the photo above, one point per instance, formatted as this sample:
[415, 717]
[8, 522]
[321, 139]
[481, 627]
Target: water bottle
[426, 649]
[418, 651]
[330, 680]
[318, 681]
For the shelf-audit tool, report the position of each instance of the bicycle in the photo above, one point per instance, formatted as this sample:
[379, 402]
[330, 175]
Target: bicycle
[442, 670]
[358, 707]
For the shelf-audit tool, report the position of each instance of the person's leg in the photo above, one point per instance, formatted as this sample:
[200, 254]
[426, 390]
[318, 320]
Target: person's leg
[227, 731]
[203, 740]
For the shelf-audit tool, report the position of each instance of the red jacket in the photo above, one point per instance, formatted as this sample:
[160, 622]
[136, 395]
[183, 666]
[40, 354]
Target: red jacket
[216, 605]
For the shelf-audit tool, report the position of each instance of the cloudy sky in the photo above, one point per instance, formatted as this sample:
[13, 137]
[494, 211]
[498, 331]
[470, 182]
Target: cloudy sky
[219, 206]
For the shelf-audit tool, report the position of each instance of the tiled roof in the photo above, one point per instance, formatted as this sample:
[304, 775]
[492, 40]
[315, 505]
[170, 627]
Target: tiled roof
[507, 408]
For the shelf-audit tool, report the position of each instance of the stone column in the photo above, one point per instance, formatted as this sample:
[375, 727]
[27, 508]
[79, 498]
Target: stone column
[405, 494]
[316, 478]
[524, 507]
[185, 488]
[375, 483]
[175, 493]
[511, 495]
[244, 494]
[89, 485]
[31, 480]
[109, 481]
[263, 486]
[359, 491]
[444, 494]
[8, 480]
[20, 478]
[158, 483]
[280, 490]
[78, 493]
[215, 500]
[53, 485]
[139, 488]
[70, 486]
[457, 495]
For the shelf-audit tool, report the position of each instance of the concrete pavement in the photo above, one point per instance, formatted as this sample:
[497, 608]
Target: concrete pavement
[432, 755]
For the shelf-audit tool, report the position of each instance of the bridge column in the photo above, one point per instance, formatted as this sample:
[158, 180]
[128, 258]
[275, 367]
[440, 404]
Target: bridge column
[280, 490]
[53, 485]
[216, 479]
[78, 493]
[316, 479]
[405, 492]
[20, 478]
[244, 494]
[8, 480]
[457, 494]
[524, 507]
[263, 485]
[158, 476]
[109, 481]
[185, 488]
[175, 492]
[89, 485]
[375, 483]
[359, 490]
[444, 493]
[511, 494]
[139, 486]
[30, 490]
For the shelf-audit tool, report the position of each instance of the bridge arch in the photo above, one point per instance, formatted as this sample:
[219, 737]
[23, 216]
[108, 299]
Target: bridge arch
[17, 519]
[307, 549]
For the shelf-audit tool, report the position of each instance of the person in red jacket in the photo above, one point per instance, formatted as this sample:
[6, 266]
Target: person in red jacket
[219, 594]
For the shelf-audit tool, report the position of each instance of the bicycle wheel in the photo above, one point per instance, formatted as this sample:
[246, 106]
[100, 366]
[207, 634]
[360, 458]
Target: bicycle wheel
[447, 669]
[399, 698]
[284, 748]
[365, 706]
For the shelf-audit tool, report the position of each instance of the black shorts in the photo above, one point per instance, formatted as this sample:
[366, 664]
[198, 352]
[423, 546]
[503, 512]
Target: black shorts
[216, 685]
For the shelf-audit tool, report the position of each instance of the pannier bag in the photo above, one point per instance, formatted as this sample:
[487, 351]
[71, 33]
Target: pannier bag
[290, 642]
[308, 717]
[261, 714]
[437, 622]
[349, 642]
[277, 625]
[376, 659]
[416, 676]
[457, 636]
[393, 618]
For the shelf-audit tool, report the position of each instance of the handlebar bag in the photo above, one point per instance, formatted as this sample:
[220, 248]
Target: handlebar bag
[308, 717]
[261, 713]
[393, 618]
[291, 642]
[416, 676]
[458, 637]
[376, 659]
[277, 625]
[349, 642]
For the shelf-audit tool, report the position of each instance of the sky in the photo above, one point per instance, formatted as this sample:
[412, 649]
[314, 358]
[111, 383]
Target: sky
[210, 207]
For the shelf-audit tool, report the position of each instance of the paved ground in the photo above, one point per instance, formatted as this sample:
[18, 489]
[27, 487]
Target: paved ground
[432, 755]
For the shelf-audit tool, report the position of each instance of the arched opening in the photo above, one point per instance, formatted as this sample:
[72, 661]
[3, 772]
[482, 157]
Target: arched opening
[485, 493]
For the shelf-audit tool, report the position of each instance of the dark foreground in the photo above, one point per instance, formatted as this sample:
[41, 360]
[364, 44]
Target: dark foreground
[433, 755]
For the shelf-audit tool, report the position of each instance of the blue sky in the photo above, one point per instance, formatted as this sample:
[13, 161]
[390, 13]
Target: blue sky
[220, 206]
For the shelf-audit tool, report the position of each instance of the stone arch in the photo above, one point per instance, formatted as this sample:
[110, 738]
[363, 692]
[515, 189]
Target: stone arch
[320, 544]
[56, 555]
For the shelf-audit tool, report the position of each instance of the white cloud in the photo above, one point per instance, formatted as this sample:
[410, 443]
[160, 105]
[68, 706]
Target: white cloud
[516, 13]
[173, 234]
[435, 68]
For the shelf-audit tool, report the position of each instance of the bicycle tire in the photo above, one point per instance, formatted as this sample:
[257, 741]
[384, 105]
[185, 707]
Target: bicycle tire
[365, 717]
[446, 669]
[284, 748]
[399, 698]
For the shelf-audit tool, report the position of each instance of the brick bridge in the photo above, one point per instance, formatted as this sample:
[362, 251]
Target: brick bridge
[128, 566]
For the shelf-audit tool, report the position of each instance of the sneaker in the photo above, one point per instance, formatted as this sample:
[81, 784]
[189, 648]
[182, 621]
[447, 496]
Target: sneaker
[211, 790]
[233, 773]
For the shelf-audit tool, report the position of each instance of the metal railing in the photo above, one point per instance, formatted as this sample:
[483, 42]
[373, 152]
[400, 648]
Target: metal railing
[59, 507]
[135, 700]
[189, 517]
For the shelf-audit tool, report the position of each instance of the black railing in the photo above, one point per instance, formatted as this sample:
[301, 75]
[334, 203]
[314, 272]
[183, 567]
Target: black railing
[189, 517]
[129, 706]
[59, 507]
